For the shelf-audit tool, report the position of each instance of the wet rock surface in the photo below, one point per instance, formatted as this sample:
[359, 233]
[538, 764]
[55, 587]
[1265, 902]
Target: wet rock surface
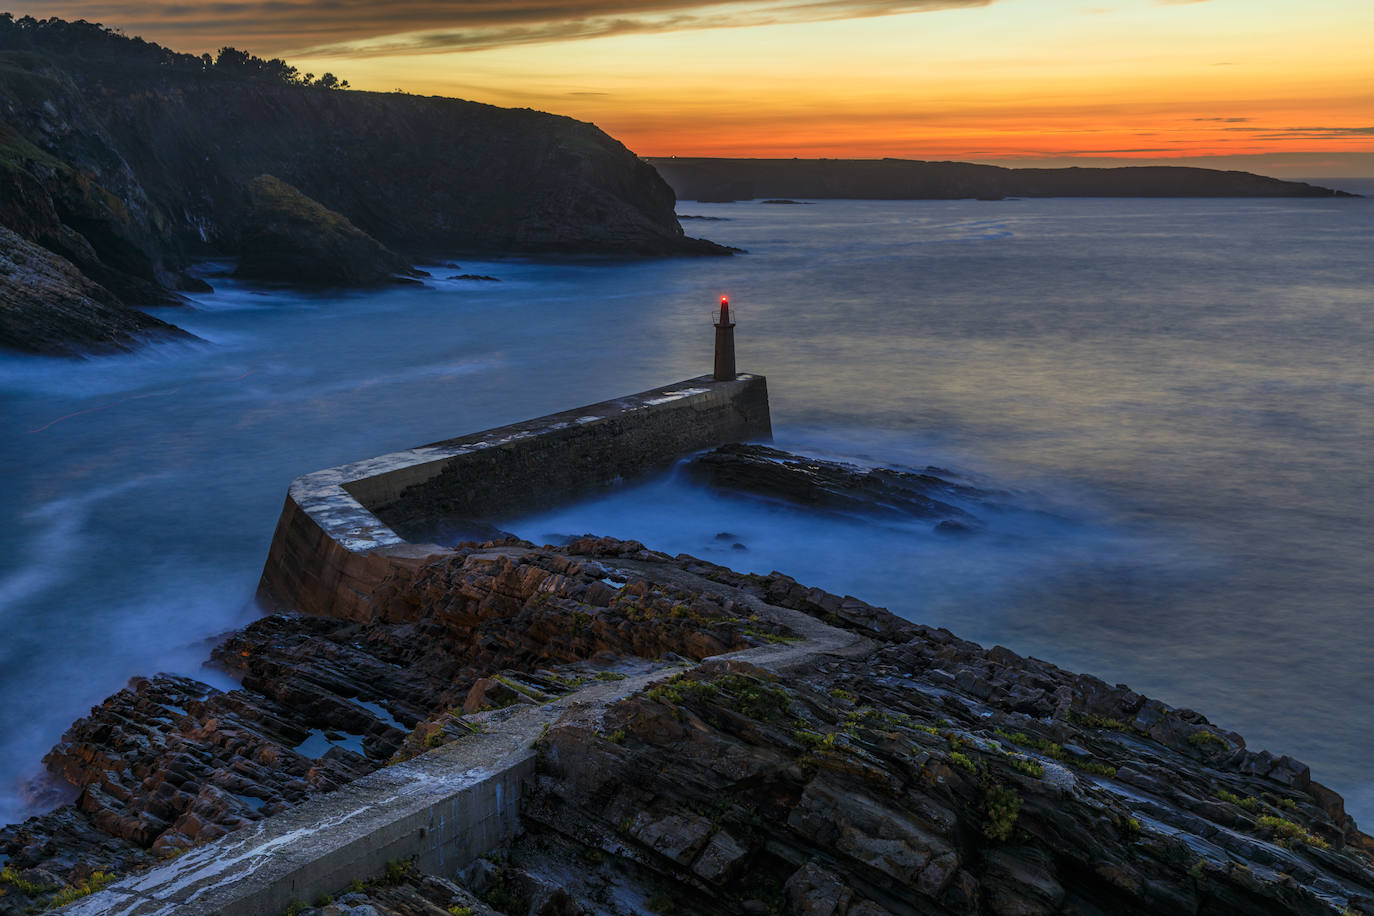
[48, 306]
[918, 773]
[835, 486]
[170, 762]
[936, 776]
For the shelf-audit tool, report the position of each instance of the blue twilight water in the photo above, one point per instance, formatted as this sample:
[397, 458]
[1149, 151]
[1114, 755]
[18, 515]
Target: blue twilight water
[1179, 393]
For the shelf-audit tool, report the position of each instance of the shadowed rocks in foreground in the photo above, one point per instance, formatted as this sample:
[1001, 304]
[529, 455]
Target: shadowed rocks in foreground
[920, 773]
[170, 762]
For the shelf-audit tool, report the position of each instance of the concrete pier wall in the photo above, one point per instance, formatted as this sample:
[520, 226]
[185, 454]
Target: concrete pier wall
[441, 810]
[337, 544]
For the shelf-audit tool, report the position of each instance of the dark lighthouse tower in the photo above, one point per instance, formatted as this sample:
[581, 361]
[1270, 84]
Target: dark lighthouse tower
[725, 342]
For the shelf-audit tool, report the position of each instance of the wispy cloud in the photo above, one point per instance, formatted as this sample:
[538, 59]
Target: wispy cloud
[365, 27]
[1304, 133]
[1103, 152]
[592, 19]
[1226, 120]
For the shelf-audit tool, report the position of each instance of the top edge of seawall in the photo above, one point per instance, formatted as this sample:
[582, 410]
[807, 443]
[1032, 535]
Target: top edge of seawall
[307, 487]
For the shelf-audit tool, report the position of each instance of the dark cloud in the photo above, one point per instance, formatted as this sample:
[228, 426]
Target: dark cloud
[1303, 133]
[1226, 120]
[419, 26]
[1101, 152]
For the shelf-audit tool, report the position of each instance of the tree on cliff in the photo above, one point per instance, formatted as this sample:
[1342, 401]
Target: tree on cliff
[93, 43]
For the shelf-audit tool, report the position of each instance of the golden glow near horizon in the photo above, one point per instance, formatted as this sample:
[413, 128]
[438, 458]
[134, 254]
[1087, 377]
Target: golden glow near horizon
[1283, 86]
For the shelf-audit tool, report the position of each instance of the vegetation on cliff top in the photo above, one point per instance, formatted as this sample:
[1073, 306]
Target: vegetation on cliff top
[93, 44]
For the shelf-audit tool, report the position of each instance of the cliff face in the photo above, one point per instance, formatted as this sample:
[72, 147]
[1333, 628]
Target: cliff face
[418, 174]
[128, 160]
[150, 167]
[47, 305]
[902, 179]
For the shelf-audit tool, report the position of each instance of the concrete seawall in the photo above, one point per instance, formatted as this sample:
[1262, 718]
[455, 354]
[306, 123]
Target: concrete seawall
[442, 810]
[337, 543]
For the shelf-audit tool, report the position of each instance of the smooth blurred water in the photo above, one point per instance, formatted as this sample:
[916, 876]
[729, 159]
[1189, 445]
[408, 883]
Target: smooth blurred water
[1178, 393]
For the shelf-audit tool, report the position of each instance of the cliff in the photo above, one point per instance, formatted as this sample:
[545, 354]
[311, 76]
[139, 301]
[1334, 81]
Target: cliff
[904, 179]
[47, 305]
[129, 160]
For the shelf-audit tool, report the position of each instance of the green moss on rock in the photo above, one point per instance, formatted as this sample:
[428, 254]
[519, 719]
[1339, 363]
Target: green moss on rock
[289, 238]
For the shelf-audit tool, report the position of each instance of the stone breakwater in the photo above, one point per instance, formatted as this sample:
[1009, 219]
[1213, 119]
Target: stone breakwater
[911, 772]
[346, 530]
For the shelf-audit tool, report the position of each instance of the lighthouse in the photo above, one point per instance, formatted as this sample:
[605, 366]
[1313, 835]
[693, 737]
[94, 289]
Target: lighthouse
[725, 342]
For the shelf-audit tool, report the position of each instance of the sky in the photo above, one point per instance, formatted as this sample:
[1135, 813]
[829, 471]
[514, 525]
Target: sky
[1283, 87]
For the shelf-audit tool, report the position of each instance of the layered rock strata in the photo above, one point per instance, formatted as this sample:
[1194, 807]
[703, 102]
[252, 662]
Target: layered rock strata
[925, 775]
[170, 762]
[47, 305]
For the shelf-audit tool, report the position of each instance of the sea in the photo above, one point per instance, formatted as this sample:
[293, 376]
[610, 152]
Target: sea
[1176, 398]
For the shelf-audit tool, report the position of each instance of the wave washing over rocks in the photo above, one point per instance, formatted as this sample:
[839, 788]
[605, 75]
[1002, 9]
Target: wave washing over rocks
[913, 773]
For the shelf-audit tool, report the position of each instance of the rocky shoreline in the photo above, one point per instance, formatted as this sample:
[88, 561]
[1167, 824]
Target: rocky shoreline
[47, 305]
[924, 774]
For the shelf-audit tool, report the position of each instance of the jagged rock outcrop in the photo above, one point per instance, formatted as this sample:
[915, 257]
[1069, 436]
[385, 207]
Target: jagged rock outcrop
[289, 238]
[857, 788]
[906, 179]
[934, 776]
[48, 306]
[835, 486]
[917, 773]
[170, 762]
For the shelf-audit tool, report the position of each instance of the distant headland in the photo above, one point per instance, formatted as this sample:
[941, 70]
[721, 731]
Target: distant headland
[716, 180]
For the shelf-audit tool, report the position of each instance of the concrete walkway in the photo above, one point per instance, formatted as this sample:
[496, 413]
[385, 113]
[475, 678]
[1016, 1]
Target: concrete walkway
[443, 809]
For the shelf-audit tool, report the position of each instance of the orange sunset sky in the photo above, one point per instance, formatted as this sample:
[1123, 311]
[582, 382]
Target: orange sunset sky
[1284, 87]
